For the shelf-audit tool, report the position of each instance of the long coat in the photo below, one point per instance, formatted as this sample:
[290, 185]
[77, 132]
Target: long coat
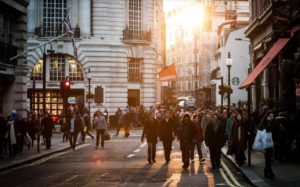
[215, 138]
[166, 130]
[47, 127]
[238, 135]
[77, 125]
[150, 130]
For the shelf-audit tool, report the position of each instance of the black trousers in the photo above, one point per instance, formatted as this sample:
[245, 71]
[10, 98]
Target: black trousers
[198, 145]
[167, 149]
[185, 147]
[73, 139]
[100, 132]
[48, 142]
[215, 156]
[268, 161]
[151, 151]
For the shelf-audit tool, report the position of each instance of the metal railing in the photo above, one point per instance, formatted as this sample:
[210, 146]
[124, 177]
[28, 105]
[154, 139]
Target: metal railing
[136, 35]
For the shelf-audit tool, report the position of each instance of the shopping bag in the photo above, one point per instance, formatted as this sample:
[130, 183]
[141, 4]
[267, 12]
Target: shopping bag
[267, 140]
[258, 143]
[27, 139]
[106, 135]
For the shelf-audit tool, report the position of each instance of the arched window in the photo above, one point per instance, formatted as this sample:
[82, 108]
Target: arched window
[57, 67]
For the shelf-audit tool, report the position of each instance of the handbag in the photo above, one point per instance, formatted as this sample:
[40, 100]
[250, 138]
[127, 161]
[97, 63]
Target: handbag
[267, 139]
[106, 135]
[258, 143]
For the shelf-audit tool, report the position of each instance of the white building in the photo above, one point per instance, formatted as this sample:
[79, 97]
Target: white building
[238, 47]
[119, 47]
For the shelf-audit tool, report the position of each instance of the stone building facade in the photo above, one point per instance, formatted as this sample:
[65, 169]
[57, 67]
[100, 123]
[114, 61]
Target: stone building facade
[13, 36]
[119, 47]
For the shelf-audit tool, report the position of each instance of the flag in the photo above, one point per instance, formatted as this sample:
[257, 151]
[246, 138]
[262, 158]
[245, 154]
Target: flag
[168, 74]
[70, 31]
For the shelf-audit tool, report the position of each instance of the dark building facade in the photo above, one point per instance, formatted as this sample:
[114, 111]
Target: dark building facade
[13, 36]
[275, 55]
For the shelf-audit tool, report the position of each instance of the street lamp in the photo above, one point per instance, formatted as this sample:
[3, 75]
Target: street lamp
[89, 101]
[228, 64]
[44, 74]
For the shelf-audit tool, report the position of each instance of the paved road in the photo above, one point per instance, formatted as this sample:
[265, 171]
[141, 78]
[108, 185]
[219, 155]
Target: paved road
[122, 162]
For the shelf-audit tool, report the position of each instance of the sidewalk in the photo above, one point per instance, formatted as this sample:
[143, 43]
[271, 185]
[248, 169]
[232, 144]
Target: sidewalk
[287, 173]
[57, 145]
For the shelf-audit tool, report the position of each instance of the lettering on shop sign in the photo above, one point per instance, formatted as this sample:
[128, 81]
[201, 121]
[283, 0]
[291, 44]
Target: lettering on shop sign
[52, 85]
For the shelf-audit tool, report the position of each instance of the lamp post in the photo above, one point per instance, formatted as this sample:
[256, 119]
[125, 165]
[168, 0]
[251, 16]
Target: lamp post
[44, 74]
[89, 101]
[228, 64]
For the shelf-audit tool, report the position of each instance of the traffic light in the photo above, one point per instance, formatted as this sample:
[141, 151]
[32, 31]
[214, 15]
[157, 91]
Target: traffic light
[227, 89]
[221, 90]
[98, 94]
[65, 87]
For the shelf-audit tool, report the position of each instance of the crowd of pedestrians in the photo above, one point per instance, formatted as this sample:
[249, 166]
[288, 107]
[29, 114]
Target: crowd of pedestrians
[206, 130]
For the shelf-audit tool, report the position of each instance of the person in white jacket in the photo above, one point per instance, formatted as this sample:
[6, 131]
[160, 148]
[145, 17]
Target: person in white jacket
[11, 137]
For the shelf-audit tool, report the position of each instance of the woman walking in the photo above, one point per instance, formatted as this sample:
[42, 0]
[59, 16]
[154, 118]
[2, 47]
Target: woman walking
[239, 138]
[268, 124]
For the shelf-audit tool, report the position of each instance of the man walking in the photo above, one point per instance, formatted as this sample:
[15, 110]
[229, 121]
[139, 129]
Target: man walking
[151, 133]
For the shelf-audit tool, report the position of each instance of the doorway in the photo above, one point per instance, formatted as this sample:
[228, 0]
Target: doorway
[133, 97]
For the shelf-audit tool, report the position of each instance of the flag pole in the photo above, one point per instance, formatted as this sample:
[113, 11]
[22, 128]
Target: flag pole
[29, 50]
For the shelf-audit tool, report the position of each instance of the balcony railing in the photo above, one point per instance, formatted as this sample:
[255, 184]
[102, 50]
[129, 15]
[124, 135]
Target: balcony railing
[41, 32]
[6, 52]
[138, 36]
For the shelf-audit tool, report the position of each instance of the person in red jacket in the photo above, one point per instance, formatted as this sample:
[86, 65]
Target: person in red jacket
[197, 140]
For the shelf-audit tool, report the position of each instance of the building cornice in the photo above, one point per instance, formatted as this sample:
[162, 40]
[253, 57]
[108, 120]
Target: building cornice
[261, 20]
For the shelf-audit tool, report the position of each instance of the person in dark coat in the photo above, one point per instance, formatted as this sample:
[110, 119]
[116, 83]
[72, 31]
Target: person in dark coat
[32, 127]
[239, 138]
[268, 123]
[215, 140]
[3, 129]
[87, 122]
[166, 135]
[186, 135]
[151, 132]
[47, 126]
[74, 127]
[20, 127]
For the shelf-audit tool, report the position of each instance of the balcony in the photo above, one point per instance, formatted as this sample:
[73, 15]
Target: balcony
[136, 37]
[42, 32]
[6, 52]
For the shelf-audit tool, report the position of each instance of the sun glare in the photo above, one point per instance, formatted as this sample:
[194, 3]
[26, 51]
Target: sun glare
[192, 17]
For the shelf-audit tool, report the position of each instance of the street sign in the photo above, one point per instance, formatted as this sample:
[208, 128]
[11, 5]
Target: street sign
[71, 100]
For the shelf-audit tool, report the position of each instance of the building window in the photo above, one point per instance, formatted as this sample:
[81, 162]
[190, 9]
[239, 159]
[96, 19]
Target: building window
[61, 66]
[54, 102]
[134, 69]
[54, 12]
[135, 15]
[57, 67]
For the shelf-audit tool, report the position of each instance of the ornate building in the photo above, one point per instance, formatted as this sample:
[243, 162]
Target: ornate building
[13, 20]
[119, 45]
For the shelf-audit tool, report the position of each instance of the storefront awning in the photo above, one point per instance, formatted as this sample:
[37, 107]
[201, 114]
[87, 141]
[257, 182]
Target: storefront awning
[276, 48]
[168, 74]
